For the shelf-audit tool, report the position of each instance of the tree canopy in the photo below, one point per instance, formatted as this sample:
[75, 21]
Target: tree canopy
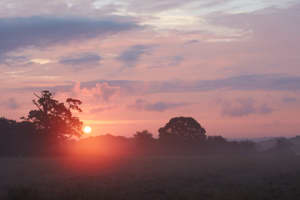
[55, 119]
[183, 129]
[143, 137]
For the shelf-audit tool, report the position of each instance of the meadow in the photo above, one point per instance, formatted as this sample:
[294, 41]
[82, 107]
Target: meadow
[207, 177]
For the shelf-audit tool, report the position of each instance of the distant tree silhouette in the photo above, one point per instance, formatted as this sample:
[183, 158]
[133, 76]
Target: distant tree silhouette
[282, 146]
[144, 135]
[17, 138]
[216, 140]
[182, 129]
[46, 129]
[6, 133]
[6, 124]
[55, 119]
[144, 142]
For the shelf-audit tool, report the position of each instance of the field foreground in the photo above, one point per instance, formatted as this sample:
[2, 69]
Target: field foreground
[214, 177]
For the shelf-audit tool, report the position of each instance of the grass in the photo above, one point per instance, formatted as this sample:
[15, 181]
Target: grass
[218, 177]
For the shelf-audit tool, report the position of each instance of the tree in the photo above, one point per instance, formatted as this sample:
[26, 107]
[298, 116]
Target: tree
[55, 119]
[182, 129]
[17, 138]
[6, 125]
[144, 137]
[283, 146]
[216, 139]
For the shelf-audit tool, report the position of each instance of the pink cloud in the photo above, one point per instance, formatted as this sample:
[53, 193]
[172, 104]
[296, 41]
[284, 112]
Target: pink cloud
[102, 92]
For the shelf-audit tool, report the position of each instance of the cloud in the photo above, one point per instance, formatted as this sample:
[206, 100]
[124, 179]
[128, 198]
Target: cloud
[159, 106]
[99, 98]
[244, 107]
[289, 99]
[101, 7]
[41, 61]
[22, 61]
[101, 91]
[132, 55]
[10, 103]
[18, 33]
[187, 7]
[80, 61]
[256, 82]
[263, 82]
[176, 60]
[276, 23]
[190, 42]
[14, 61]
[102, 109]
[264, 109]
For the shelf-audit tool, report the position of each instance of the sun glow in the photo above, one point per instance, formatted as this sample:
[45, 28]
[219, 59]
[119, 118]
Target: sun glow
[87, 129]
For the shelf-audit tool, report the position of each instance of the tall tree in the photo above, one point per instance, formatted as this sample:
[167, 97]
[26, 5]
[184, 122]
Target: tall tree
[55, 119]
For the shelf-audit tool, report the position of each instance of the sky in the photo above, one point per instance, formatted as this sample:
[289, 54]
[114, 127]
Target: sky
[233, 65]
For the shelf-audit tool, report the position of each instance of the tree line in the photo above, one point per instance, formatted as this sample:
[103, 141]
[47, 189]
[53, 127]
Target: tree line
[52, 129]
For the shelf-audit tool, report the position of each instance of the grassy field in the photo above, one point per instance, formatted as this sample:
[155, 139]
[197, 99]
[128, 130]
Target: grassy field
[214, 177]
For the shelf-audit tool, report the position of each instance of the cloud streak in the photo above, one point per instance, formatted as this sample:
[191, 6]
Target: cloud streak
[262, 82]
[81, 61]
[244, 107]
[41, 31]
[160, 106]
[289, 99]
[133, 54]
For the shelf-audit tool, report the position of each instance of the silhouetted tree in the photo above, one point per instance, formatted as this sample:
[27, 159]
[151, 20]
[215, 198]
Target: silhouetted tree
[6, 124]
[282, 146]
[216, 139]
[144, 142]
[55, 119]
[143, 136]
[17, 138]
[246, 146]
[182, 129]
[6, 133]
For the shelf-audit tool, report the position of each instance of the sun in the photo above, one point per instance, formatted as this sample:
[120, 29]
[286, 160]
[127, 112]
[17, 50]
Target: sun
[87, 129]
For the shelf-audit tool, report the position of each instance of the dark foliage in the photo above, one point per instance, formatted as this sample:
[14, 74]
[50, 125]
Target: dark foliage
[182, 129]
[144, 138]
[282, 146]
[23, 139]
[44, 131]
[54, 118]
[48, 130]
